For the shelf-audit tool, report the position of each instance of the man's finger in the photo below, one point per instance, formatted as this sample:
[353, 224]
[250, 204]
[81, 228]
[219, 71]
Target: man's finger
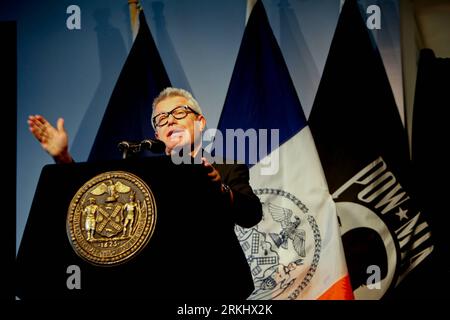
[213, 173]
[207, 165]
[36, 133]
[38, 124]
[33, 130]
[60, 124]
[32, 122]
[41, 120]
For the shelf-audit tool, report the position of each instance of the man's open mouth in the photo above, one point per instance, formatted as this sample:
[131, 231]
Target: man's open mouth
[175, 133]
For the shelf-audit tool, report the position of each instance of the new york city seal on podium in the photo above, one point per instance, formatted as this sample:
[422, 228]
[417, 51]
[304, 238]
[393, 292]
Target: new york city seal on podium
[111, 218]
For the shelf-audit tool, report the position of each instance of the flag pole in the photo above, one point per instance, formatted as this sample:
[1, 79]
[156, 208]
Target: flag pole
[250, 5]
[134, 7]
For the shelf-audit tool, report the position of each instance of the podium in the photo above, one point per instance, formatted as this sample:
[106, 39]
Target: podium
[193, 253]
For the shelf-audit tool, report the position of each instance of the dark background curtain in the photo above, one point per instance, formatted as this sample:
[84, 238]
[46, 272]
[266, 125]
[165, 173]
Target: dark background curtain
[430, 158]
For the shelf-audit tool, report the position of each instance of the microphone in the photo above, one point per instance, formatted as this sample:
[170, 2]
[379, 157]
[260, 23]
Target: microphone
[154, 145]
[133, 147]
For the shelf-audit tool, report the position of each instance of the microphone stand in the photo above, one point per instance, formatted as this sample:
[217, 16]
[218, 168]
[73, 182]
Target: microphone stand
[129, 147]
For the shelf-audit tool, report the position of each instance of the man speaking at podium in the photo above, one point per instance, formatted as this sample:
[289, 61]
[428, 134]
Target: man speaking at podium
[178, 121]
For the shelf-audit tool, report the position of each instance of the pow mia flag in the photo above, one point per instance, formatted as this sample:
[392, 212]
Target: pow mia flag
[363, 148]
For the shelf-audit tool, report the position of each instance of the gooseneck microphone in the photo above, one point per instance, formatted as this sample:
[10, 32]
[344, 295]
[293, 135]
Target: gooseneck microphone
[154, 145]
[133, 147]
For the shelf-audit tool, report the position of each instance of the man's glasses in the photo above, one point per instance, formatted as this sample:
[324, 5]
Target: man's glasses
[180, 112]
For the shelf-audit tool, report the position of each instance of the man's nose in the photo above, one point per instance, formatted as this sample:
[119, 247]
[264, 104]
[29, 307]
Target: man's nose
[171, 120]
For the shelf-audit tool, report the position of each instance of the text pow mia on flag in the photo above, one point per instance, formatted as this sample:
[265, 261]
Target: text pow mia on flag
[363, 148]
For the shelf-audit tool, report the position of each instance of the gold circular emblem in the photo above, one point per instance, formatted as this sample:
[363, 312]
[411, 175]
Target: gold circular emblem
[111, 218]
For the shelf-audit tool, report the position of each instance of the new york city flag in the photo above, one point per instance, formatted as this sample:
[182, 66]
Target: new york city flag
[295, 252]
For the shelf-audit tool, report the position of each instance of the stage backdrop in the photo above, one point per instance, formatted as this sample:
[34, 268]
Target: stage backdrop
[70, 73]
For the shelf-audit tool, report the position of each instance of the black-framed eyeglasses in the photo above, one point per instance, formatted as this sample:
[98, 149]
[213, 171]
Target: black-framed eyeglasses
[180, 112]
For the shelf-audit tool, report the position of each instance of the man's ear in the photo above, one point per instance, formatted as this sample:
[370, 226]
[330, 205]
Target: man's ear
[156, 135]
[202, 120]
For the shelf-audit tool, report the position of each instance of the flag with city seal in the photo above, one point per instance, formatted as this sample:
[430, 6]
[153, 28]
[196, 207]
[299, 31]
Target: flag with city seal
[295, 252]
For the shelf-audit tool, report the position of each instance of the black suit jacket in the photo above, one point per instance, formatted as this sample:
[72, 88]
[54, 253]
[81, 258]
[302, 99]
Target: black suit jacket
[231, 272]
[210, 265]
[246, 210]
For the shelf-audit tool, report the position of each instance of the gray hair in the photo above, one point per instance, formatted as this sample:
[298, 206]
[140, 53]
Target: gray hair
[176, 92]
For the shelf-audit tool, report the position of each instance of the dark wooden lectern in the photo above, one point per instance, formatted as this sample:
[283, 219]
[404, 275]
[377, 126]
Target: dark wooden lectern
[193, 253]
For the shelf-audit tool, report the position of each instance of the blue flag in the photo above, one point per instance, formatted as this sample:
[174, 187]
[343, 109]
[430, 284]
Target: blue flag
[295, 252]
[128, 114]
